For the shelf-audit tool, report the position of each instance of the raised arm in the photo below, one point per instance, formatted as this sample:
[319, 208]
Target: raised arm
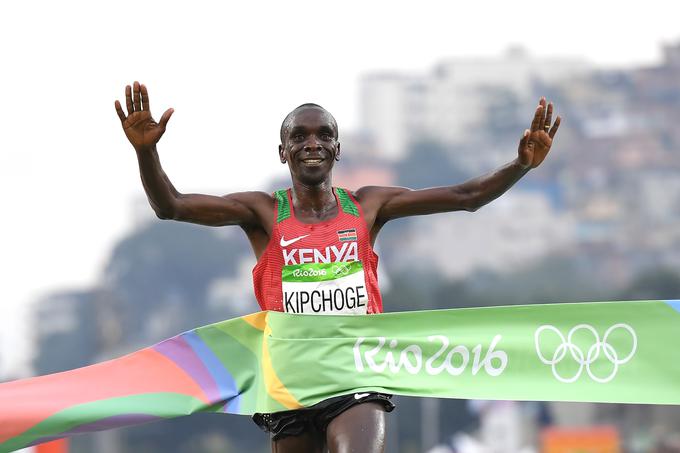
[246, 208]
[386, 203]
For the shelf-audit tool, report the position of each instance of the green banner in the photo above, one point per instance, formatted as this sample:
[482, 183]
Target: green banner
[614, 352]
[600, 352]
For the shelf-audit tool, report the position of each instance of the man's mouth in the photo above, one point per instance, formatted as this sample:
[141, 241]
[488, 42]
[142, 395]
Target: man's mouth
[312, 162]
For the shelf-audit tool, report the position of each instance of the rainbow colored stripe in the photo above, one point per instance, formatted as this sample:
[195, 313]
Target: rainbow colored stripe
[224, 367]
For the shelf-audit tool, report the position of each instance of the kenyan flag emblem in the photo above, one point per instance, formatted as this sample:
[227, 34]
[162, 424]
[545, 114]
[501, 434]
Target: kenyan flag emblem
[347, 235]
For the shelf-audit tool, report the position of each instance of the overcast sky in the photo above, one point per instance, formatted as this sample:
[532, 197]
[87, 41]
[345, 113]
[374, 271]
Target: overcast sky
[231, 70]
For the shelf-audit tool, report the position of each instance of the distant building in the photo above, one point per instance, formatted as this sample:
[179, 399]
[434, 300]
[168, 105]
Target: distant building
[512, 231]
[448, 103]
[67, 331]
[361, 166]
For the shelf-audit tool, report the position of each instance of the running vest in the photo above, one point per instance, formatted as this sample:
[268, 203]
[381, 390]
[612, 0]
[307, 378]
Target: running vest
[318, 268]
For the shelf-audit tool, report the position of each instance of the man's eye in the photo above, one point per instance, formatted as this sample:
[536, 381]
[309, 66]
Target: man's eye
[325, 137]
[298, 137]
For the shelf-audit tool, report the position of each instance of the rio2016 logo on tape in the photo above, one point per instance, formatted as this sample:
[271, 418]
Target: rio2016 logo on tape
[585, 357]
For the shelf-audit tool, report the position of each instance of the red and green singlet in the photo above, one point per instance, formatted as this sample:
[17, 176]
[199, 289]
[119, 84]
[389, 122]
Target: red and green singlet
[318, 268]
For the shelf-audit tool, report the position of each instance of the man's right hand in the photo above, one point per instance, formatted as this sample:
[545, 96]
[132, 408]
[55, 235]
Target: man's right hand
[140, 128]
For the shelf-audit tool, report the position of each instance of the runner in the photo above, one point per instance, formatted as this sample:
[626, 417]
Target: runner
[314, 243]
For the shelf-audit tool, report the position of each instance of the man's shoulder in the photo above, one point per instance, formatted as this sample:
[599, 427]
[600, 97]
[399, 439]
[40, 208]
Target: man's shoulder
[376, 193]
[253, 198]
[252, 194]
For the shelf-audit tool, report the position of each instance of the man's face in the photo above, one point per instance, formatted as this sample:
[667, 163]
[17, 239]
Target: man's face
[310, 145]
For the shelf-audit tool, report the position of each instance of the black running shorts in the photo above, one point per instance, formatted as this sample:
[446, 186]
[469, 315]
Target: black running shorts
[317, 417]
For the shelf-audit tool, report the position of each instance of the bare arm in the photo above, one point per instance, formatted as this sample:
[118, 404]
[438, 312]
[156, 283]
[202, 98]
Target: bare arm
[385, 203]
[245, 209]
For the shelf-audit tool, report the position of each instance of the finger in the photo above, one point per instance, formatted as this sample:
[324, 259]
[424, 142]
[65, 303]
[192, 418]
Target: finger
[525, 138]
[522, 149]
[119, 111]
[538, 118]
[128, 99]
[542, 102]
[165, 118]
[548, 117]
[145, 98]
[555, 126]
[136, 97]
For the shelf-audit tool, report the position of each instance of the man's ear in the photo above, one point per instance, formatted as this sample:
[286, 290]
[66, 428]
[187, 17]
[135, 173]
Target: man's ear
[282, 155]
[337, 153]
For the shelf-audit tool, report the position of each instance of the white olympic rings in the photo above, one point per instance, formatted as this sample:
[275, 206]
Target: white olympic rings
[341, 269]
[593, 353]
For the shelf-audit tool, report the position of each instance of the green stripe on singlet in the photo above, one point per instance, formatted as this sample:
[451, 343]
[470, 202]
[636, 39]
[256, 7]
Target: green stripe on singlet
[283, 205]
[319, 272]
[346, 203]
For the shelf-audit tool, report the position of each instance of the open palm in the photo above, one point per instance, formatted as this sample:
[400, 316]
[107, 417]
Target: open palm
[536, 142]
[139, 126]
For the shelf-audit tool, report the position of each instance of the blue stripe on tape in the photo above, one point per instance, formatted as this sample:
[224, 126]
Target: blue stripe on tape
[674, 304]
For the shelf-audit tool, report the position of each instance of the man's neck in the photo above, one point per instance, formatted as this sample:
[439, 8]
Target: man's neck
[315, 200]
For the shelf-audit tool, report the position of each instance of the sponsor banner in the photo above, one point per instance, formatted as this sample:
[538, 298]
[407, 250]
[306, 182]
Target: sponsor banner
[616, 352]
[597, 439]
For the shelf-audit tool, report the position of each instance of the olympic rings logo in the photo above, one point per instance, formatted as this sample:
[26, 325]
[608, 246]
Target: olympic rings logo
[584, 360]
[342, 269]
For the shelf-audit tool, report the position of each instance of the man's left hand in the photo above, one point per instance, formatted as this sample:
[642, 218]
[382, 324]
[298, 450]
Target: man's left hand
[536, 142]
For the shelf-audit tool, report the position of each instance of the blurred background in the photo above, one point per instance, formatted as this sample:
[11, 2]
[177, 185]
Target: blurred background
[425, 94]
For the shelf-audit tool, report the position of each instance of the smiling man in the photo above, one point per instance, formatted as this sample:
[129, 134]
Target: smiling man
[314, 243]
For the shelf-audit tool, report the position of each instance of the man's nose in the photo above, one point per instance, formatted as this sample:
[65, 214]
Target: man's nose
[312, 144]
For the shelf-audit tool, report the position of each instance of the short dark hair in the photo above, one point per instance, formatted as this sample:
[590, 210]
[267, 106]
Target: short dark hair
[309, 105]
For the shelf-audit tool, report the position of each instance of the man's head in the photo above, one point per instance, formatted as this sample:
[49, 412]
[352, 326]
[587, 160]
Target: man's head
[309, 143]
[288, 120]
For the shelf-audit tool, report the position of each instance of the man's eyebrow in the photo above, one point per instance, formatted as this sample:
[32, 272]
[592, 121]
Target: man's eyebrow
[296, 129]
[328, 129]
